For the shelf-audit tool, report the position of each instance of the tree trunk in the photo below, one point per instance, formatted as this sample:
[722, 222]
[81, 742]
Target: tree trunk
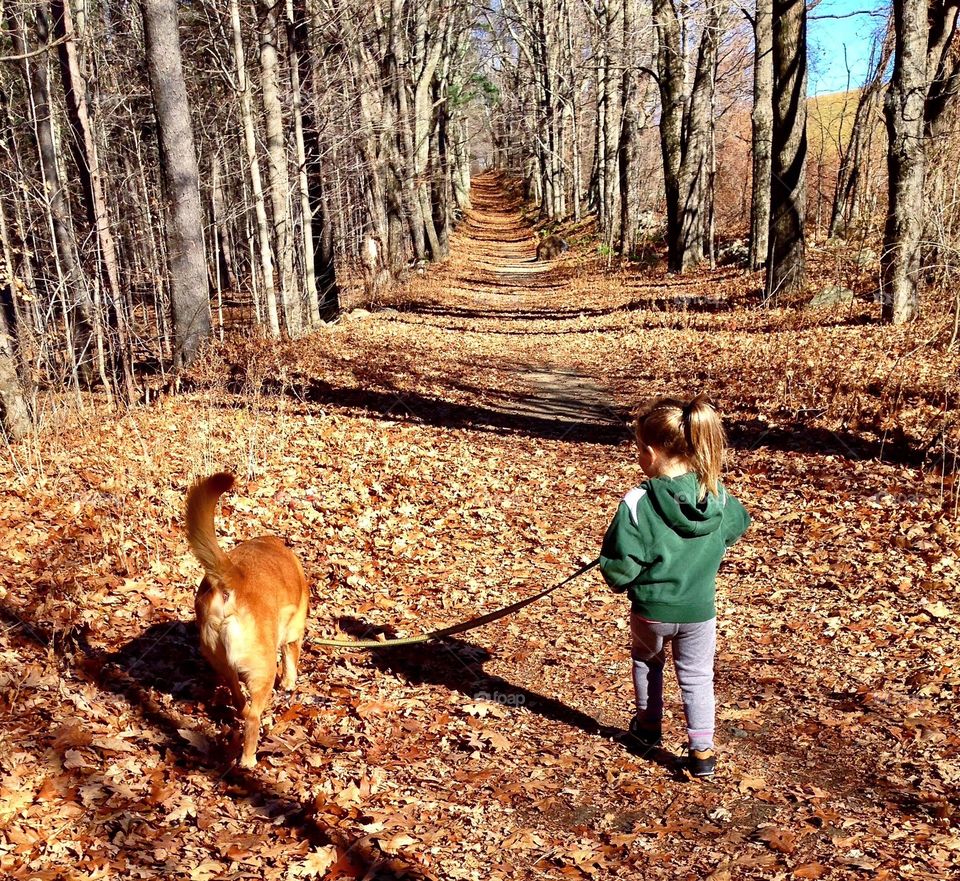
[37, 83]
[328, 292]
[429, 43]
[788, 193]
[277, 164]
[253, 168]
[376, 121]
[296, 45]
[762, 125]
[441, 190]
[405, 170]
[13, 405]
[943, 63]
[461, 163]
[88, 165]
[22, 285]
[414, 208]
[686, 133]
[598, 179]
[178, 168]
[671, 72]
[224, 254]
[695, 169]
[442, 150]
[14, 413]
[904, 110]
[629, 191]
[613, 92]
[14, 291]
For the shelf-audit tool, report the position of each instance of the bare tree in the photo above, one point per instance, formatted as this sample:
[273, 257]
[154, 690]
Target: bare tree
[88, 166]
[686, 131]
[855, 164]
[943, 62]
[178, 167]
[360, 108]
[788, 192]
[74, 293]
[318, 237]
[632, 100]
[904, 111]
[13, 406]
[265, 252]
[611, 90]
[277, 163]
[762, 125]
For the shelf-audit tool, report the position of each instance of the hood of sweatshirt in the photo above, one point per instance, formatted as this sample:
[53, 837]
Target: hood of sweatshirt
[675, 499]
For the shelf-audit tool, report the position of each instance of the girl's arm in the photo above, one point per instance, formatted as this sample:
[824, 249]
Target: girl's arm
[623, 555]
[736, 520]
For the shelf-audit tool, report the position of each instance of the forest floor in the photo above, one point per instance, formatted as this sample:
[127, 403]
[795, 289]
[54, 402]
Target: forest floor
[438, 458]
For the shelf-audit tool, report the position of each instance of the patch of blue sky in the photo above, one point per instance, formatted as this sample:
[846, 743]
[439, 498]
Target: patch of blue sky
[840, 35]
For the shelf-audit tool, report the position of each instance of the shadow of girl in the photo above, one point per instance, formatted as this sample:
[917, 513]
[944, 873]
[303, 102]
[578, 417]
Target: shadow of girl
[457, 665]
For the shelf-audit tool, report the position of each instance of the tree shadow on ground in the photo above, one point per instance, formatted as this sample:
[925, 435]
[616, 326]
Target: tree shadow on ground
[141, 668]
[679, 304]
[457, 665]
[744, 433]
[796, 437]
[403, 405]
[662, 320]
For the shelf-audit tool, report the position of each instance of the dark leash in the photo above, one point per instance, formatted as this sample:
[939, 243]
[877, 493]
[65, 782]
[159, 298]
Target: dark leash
[462, 627]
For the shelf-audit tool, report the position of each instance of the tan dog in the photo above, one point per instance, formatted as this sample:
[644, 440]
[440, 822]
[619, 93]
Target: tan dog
[252, 603]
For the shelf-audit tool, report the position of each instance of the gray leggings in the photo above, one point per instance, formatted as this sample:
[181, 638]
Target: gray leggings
[693, 649]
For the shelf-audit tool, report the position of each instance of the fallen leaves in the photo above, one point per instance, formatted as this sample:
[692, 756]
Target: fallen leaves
[420, 485]
[750, 783]
[810, 870]
[200, 742]
[780, 840]
[315, 865]
[206, 871]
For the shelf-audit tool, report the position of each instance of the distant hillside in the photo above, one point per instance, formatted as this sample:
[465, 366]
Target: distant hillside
[829, 125]
[830, 121]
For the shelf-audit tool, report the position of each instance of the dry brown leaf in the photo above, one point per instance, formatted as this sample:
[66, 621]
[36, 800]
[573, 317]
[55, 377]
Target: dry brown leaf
[810, 870]
[781, 840]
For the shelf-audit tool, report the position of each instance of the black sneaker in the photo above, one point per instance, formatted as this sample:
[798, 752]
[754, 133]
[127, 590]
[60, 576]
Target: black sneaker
[644, 736]
[701, 762]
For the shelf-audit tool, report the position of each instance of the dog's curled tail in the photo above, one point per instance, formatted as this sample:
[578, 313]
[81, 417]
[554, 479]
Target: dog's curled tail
[201, 503]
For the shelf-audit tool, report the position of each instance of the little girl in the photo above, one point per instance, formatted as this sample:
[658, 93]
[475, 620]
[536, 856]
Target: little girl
[664, 548]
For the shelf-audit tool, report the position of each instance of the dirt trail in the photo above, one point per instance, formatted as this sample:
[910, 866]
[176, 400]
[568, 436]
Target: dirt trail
[495, 270]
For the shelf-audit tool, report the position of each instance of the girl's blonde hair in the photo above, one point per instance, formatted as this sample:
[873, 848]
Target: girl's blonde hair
[691, 432]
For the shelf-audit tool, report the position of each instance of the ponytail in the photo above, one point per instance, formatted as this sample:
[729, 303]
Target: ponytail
[691, 432]
[706, 439]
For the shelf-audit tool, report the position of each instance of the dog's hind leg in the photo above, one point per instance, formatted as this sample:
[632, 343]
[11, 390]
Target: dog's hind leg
[290, 653]
[233, 681]
[260, 688]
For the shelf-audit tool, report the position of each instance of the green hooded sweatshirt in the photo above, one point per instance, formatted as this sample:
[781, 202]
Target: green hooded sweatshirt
[664, 547]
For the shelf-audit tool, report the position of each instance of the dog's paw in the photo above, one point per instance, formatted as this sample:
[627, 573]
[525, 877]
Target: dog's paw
[248, 762]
